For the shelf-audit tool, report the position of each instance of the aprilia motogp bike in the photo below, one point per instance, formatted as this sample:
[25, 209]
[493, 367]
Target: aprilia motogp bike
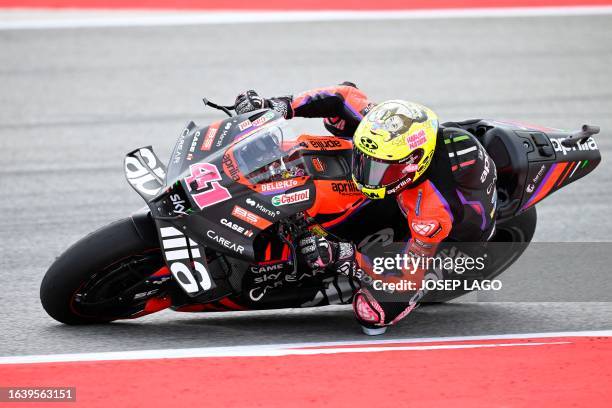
[218, 230]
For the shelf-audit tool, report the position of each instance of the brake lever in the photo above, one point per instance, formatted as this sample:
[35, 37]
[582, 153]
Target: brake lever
[580, 136]
[226, 109]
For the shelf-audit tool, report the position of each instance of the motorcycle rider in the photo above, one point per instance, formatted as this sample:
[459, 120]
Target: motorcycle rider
[442, 178]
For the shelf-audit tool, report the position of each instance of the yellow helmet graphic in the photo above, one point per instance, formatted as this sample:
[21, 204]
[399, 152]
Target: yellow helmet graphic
[393, 146]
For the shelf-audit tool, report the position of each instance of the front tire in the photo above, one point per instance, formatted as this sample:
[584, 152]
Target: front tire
[96, 280]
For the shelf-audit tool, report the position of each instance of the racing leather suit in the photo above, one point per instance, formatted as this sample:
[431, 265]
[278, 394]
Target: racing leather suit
[454, 200]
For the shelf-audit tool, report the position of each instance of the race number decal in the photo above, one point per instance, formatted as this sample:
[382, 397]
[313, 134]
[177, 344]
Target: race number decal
[204, 185]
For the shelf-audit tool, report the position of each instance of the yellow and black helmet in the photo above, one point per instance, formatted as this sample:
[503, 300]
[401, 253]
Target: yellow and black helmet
[393, 146]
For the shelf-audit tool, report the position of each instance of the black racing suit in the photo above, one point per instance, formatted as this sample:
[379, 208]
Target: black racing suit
[454, 200]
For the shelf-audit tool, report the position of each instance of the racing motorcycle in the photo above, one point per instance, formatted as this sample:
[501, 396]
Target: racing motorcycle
[220, 220]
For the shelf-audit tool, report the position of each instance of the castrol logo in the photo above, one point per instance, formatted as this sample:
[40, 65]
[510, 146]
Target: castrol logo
[291, 198]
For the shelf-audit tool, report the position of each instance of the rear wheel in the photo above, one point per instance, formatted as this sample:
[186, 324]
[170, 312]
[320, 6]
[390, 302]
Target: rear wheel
[515, 234]
[105, 276]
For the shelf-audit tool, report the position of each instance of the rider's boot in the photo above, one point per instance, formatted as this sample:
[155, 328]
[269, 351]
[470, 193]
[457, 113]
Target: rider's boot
[369, 313]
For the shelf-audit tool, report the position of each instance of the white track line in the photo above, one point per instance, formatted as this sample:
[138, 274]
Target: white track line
[299, 348]
[106, 18]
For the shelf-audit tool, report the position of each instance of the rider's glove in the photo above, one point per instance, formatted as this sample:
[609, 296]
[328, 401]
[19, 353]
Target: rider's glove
[247, 102]
[319, 252]
[281, 104]
[250, 101]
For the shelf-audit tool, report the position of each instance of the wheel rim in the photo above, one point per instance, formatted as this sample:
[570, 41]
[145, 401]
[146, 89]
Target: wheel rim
[122, 288]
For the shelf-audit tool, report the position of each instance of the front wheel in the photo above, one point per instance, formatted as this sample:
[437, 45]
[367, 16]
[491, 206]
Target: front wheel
[113, 273]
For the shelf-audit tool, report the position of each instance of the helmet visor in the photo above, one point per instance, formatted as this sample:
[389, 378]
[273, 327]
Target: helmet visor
[375, 173]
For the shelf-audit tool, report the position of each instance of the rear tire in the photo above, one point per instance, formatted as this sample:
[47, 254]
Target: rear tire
[517, 232]
[94, 257]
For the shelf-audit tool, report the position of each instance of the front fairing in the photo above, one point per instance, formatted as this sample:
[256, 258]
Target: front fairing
[228, 182]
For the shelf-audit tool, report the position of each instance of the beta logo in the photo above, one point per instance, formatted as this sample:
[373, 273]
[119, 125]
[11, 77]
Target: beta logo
[253, 219]
[291, 198]
[209, 137]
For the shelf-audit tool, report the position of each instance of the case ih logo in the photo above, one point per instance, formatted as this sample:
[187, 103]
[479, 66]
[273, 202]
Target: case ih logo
[291, 198]
[247, 216]
[238, 228]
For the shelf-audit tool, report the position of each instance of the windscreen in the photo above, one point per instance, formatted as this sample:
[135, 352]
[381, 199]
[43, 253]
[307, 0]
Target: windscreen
[269, 154]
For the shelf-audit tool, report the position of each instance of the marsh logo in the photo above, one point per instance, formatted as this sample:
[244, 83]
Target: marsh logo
[291, 198]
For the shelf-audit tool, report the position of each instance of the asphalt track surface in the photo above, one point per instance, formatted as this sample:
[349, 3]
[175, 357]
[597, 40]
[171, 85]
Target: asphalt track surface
[73, 102]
